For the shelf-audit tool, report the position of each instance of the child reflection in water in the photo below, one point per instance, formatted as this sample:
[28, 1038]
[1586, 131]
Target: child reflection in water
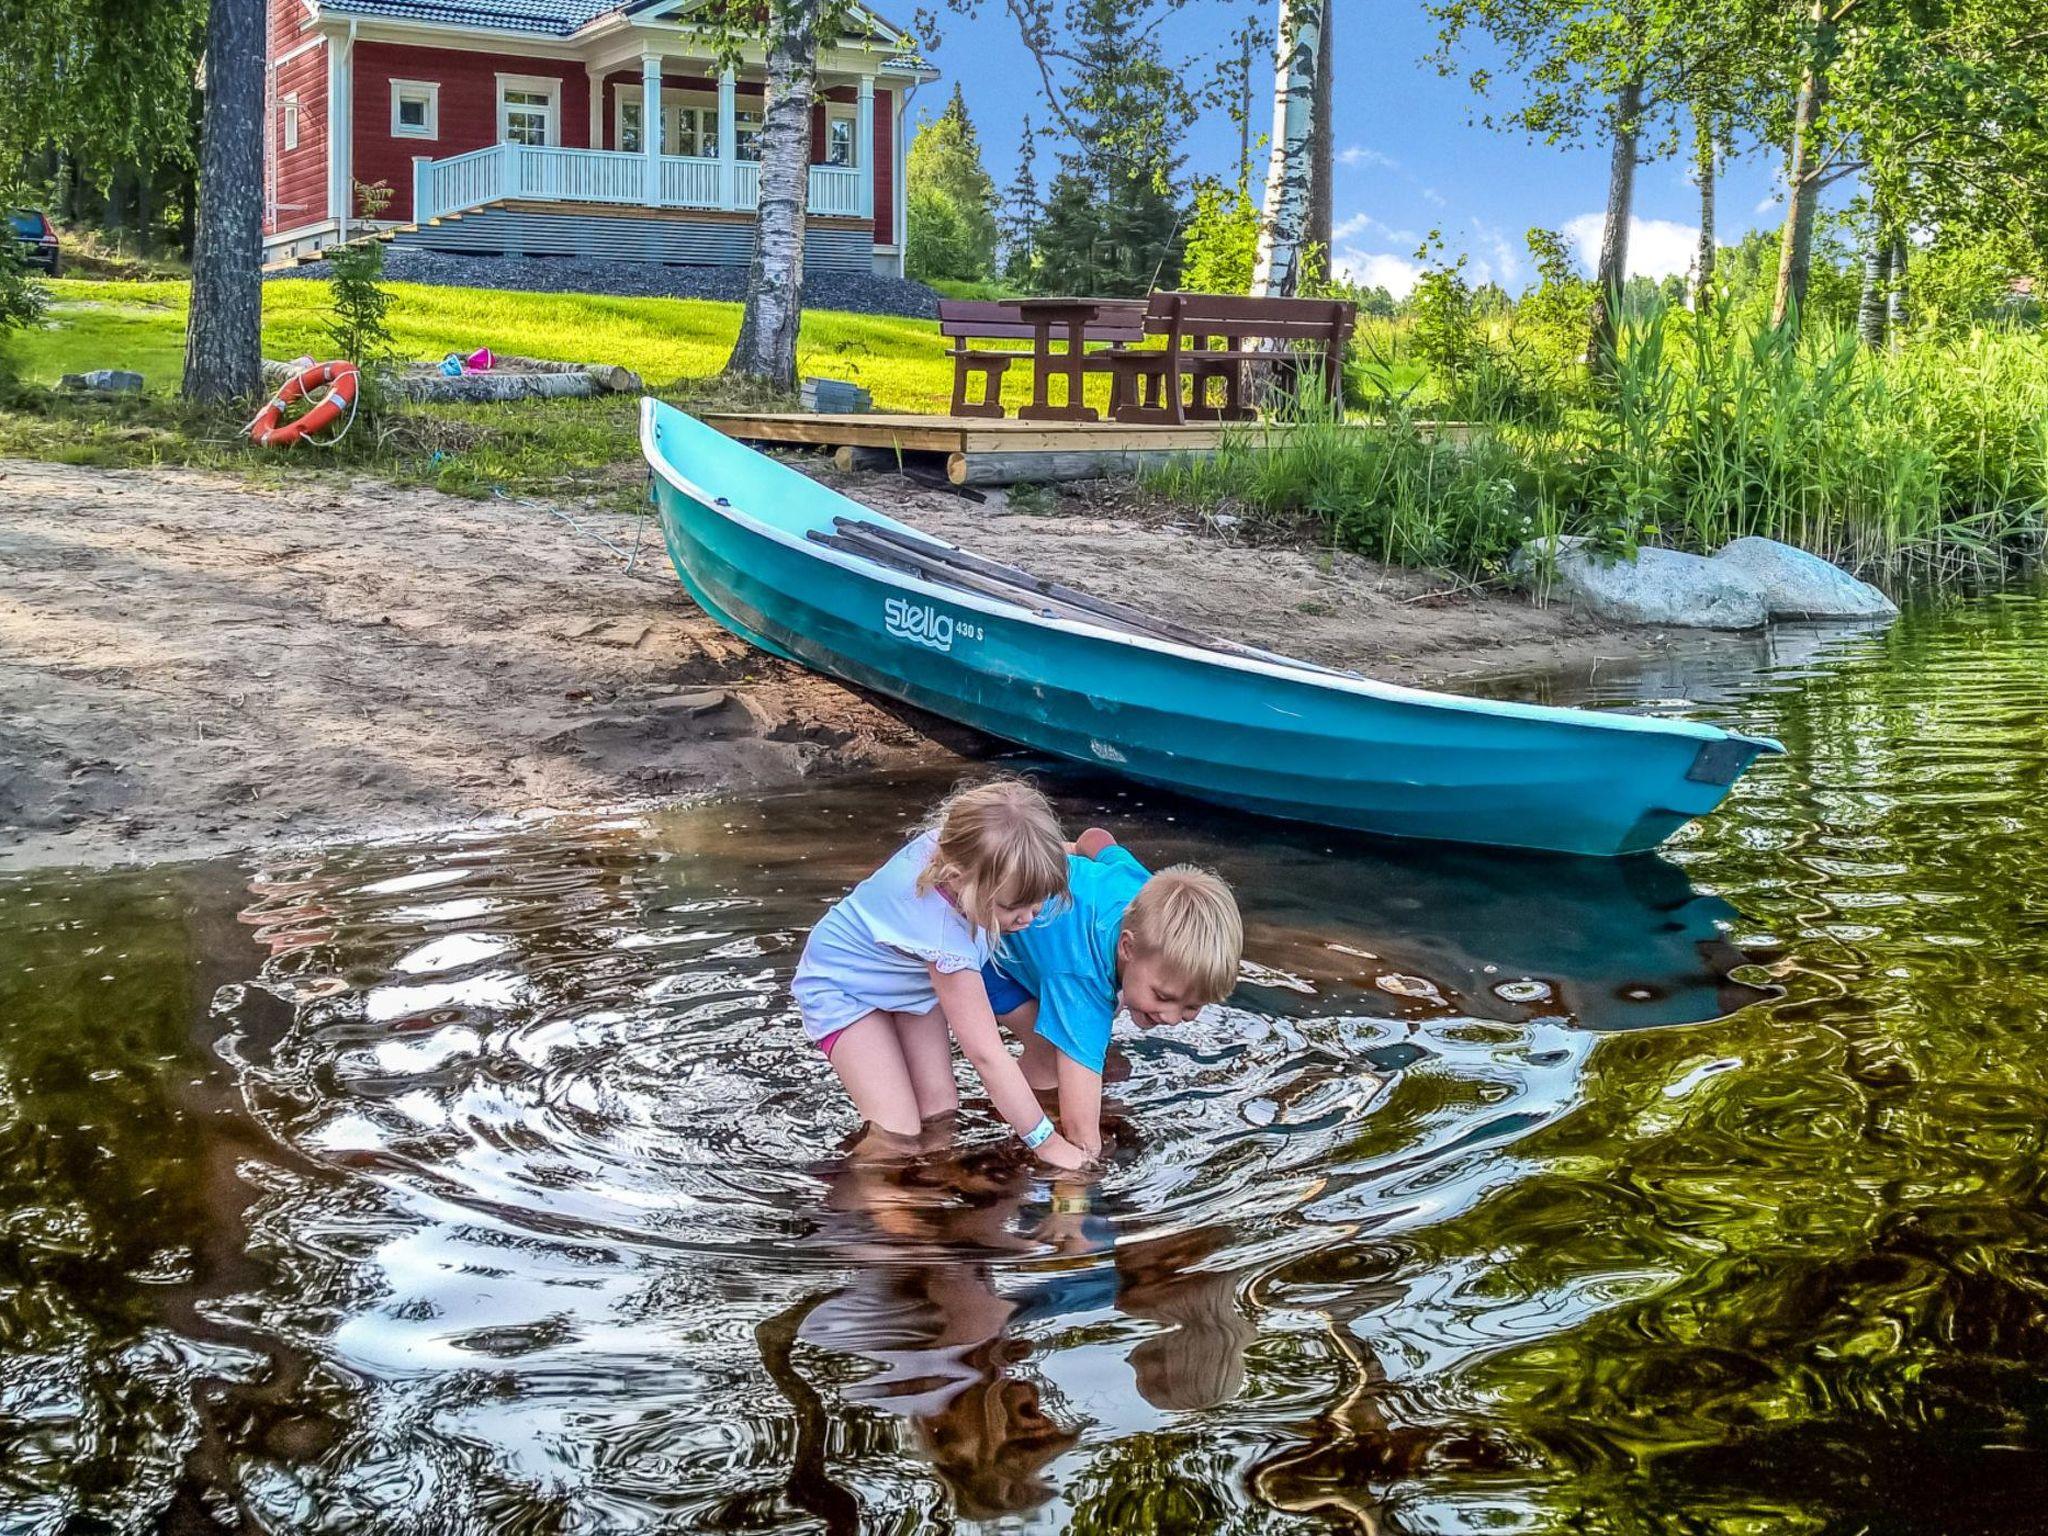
[926, 1235]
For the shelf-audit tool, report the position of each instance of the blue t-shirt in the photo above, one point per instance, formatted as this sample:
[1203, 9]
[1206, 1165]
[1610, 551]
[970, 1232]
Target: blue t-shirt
[1067, 959]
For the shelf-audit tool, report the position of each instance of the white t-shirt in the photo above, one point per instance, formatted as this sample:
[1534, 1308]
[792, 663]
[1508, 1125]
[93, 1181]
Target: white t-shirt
[870, 951]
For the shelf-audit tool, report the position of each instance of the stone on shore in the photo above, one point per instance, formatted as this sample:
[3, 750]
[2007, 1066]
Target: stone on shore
[1659, 586]
[1798, 585]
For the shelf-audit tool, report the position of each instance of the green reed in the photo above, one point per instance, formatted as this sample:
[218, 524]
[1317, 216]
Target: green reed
[1929, 461]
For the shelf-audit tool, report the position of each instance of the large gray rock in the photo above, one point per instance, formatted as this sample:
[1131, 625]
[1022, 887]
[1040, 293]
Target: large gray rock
[1798, 585]
[1659, 586]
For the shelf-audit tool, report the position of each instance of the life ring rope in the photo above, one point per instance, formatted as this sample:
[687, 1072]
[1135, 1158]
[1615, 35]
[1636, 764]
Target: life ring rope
[342, 382]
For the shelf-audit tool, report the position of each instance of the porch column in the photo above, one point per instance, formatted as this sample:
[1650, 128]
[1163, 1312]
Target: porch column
[864, 148]
[728, 136]
[650, 123]
[596, 75]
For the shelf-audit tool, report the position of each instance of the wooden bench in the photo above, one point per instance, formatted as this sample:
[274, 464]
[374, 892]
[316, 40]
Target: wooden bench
[1119, 323]
[1210, 337]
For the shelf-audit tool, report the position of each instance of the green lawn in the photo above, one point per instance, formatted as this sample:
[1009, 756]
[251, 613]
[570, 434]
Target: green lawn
[142, 326]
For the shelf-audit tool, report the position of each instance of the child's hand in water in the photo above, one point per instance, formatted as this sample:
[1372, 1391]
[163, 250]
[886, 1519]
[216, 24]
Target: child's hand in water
[1062, 1153]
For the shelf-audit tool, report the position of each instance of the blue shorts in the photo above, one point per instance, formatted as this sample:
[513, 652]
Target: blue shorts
[1005, 995]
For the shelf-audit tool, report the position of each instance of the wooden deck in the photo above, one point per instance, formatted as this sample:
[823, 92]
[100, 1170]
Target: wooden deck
[981, 450]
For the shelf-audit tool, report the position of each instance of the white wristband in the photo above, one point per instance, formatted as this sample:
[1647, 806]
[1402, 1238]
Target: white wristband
[1038, 1135]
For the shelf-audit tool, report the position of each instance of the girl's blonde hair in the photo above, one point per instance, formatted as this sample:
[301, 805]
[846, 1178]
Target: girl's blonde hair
[999, 844]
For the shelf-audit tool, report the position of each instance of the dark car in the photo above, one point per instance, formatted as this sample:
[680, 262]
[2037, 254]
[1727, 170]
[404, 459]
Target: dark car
[37, 239]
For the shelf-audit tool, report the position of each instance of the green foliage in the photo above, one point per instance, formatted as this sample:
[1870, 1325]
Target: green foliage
[1927, 461]
[951, 200]
[1222, 239]
[1551, 316]
[1113, 218]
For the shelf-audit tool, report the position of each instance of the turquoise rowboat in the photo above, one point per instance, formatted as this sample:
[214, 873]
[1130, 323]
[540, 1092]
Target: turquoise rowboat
[803, 572]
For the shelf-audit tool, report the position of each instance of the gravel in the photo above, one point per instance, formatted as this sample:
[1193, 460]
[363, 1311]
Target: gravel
[858, 292]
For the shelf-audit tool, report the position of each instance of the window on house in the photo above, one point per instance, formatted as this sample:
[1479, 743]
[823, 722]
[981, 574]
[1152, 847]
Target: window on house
[629, 127]
[290, 106]
[746, 135]
[526, 111]
[839, 141]
[415, 109]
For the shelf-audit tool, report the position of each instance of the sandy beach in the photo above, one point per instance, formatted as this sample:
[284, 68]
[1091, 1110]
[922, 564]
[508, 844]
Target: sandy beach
[191, 663]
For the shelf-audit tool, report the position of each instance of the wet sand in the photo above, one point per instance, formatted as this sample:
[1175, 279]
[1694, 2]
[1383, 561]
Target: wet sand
[192, 664]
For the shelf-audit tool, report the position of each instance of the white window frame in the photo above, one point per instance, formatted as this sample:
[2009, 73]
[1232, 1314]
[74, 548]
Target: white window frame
[841, 112]
[740, 130]
[674, 100]
[538, 85]
[288, 112]
[427, 90]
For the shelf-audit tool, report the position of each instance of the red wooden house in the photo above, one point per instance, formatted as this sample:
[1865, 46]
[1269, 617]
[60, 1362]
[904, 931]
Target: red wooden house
[521, 127]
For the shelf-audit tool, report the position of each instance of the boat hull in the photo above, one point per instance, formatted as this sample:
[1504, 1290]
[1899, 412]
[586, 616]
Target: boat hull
[1273, 739]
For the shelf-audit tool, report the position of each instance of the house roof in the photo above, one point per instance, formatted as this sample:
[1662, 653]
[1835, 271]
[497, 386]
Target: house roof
[549, 18]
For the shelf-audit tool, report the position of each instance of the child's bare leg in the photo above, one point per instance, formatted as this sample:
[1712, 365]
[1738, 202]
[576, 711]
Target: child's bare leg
[928, 1056]
[868, 1057]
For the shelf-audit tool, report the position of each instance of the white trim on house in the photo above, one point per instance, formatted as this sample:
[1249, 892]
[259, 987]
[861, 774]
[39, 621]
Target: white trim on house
[292, 53]
[549, 86]
[288, 113]
[426, 91]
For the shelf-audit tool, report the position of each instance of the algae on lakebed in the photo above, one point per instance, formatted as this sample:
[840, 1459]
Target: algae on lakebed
[483, 1183]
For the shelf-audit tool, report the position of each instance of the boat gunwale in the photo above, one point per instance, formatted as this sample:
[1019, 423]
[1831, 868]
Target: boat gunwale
[1372, 688]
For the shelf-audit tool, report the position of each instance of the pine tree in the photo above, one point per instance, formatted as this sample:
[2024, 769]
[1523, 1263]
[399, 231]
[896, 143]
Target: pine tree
[1113, 219]
[1022, 214]
[952, 200]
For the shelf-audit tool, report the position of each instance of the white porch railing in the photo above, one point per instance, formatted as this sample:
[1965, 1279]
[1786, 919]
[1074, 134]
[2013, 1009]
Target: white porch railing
[609, 177]
[835, 189]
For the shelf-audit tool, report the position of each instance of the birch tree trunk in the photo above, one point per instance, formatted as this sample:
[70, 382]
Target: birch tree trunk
[1276, 271]
[1873, 312]
[224, 337]
[766, 348]
[1612, 272]
[1897, 314]
[1703, 172]
[1795, 249]
[1322, 151]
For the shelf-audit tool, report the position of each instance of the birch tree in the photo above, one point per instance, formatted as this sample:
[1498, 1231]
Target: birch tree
[1937, 105]
[766, 348]
[224, 334]
[1290, 163]
[1620, 71]
[1705, 166]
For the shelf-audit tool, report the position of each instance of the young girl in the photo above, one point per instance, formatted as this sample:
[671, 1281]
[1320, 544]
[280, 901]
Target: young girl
[896, 966]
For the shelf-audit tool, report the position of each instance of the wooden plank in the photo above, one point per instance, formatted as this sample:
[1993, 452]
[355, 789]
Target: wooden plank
[851, 431]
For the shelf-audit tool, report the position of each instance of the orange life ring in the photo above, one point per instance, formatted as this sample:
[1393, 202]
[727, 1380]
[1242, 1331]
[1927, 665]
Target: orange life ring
[341, 380]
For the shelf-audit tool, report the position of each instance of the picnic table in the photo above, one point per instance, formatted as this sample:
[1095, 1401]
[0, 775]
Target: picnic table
[1114, 323]
[1210, 340]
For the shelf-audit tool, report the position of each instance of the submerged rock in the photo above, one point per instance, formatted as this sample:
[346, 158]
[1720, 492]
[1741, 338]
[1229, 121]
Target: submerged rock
[1659, 586]
[1798, 585]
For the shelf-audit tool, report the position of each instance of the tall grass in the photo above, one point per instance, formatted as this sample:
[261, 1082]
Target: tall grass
[1929, 461]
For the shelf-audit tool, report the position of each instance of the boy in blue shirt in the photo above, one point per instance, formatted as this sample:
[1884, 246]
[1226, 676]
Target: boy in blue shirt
[1163, 946]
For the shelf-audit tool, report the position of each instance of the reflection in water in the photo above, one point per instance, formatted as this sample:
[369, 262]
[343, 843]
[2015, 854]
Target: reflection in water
[482, 1184]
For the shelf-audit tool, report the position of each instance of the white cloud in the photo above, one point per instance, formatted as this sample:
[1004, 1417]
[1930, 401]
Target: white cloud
[1494, 257]
[1433, 197]
[1365, 224]
[1383, 269]
[1358, 154]
[1656, 247]
[1766, 204]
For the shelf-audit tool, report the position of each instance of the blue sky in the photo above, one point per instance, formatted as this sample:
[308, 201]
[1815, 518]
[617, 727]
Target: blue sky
[1410, 156]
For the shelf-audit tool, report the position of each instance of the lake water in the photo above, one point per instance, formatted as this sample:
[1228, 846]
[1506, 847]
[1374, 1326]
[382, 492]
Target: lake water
[484, 1183]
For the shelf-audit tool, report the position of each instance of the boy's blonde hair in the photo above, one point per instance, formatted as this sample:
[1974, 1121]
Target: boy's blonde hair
[1186, 919]
[999, 844]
